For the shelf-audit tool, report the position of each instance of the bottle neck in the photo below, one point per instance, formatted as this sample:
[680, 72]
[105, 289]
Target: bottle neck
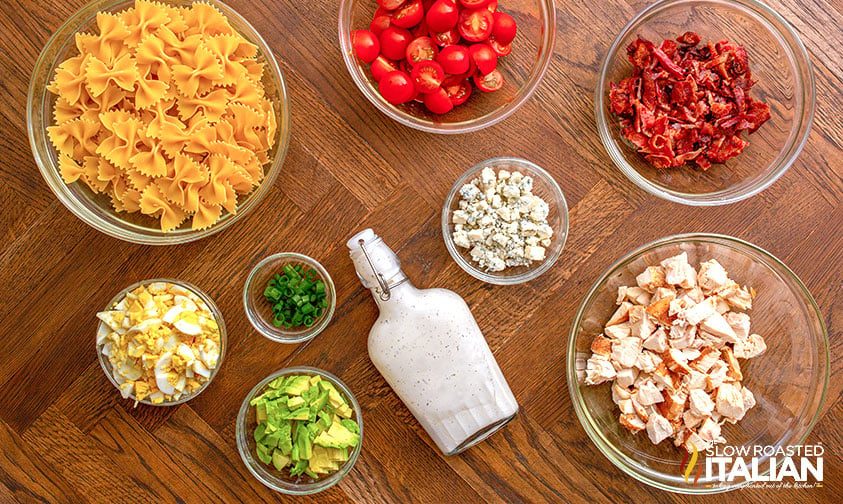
[377, 266]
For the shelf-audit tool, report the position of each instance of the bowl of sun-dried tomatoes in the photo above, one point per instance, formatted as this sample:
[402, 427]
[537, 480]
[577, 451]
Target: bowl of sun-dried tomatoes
[705, 102]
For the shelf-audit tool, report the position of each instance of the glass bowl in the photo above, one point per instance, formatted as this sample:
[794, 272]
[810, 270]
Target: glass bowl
[789, 380]
[95, 209]
[785, 81]
[212, 307]
[259, 311]
[267, 475]
[545, 187]
[522, 70]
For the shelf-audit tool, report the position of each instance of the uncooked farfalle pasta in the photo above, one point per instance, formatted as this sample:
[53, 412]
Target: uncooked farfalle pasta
[164, 111]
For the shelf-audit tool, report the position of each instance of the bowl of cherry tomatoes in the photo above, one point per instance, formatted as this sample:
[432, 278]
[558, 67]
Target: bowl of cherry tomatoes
[447, 66]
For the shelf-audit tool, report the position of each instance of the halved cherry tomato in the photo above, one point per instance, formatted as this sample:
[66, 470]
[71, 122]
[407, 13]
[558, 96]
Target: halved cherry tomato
[421, 49]
[394, 42]
[492, 81]
[427, 76]
[382, 66]
[504, 29]
[409, 15]
[454, 59]
[458, 89]
[379, 24]
[475, 25]
[438, 101]
[380, 11]
[498, 48]
[396, 87]
[492, 6]
[446, 38]
[474, 4]
[366, 45]
[484, 57]
[391, 4]
[442, 15]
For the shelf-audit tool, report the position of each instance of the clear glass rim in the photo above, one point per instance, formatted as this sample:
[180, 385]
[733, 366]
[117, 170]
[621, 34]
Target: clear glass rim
[115, 227]
[548, 8]
[105, 364]
[285, 486]
[631, 466]
[273, 333]
[805, 100]
[533, 272]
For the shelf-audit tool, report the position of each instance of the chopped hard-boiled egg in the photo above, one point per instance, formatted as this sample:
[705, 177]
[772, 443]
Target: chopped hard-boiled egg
[162, 342]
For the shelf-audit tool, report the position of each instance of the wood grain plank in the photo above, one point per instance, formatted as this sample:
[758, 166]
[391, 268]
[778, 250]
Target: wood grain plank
[27, 477]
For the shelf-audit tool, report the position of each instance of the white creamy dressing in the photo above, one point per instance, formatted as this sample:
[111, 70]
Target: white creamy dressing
[428, 347]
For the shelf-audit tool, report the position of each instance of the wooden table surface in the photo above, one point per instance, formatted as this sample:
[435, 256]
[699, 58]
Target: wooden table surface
[66, 435]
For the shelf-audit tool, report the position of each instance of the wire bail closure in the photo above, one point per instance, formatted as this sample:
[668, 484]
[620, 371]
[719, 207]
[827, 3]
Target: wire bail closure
[384, 288]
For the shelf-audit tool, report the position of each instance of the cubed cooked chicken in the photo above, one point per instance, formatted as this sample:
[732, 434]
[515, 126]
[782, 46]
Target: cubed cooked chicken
[671, 351]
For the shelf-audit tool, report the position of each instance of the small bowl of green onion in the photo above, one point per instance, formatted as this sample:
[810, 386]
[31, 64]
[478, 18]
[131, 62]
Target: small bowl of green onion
[289, 297]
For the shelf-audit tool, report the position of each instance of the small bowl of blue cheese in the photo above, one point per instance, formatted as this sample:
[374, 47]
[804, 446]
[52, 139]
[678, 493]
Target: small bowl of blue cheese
[505, 221]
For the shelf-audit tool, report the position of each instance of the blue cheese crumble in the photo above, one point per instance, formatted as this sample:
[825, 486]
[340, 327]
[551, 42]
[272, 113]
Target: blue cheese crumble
[501, 221]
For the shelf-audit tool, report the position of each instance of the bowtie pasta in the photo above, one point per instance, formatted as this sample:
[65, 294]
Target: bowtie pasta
[164, 112]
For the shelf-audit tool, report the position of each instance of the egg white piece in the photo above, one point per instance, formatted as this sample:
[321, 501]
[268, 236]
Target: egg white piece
[144, 325]
[173, 313]
[102, 333]
[186, 327]
[161, 369]
[200, 369]
[185, 302]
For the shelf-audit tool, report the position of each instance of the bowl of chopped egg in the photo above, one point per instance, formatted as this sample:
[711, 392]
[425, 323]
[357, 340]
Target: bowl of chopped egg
[505, 221]
[158, 122]
[695, 347]
[161, 342]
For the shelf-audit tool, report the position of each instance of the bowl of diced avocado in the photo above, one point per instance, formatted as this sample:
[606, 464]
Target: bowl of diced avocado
[300, 430]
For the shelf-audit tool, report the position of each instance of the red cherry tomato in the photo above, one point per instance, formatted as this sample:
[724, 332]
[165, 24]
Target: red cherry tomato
[492, 81]
[409, 15]
[492, 6]
[366, 45]
[394, 42]
[380, 11]
[428, 76]
[391, 4]
[421, 49]
[454, 59]
[442, 15]
[396, 87]
[438, 101]
[447, 38]
[382, 66]
[379, 24]
[475, 25]
[474, 4]
[498, 48]
[504, 28]
[484, 57]
[458, 89]
[420, 30]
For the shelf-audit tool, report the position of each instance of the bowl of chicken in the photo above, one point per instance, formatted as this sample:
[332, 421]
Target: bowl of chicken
[695, 346]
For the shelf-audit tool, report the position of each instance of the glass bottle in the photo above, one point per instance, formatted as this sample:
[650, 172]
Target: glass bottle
[428, 347]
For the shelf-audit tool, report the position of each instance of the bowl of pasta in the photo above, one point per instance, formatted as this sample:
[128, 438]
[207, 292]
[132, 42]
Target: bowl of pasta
[158, 122]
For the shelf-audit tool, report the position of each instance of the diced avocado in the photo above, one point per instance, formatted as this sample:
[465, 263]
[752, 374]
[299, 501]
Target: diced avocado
[260, 412]
[337, 454]
[296, 386]
[335, 399]
[264, 453]
[285, 443]
[279, 460]
[319, 403]
[294, 453]
[295, 402]
[304, 444]
[324, 420]
[311, 473]
[298, 468]
[315, 379]
[260, 432]
[300, 414]
[350, 425]
[344, 411]
[337, 436]
[321, 460]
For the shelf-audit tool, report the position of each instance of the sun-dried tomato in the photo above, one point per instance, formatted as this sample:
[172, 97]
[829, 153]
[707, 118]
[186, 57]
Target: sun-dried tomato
[687, 102]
